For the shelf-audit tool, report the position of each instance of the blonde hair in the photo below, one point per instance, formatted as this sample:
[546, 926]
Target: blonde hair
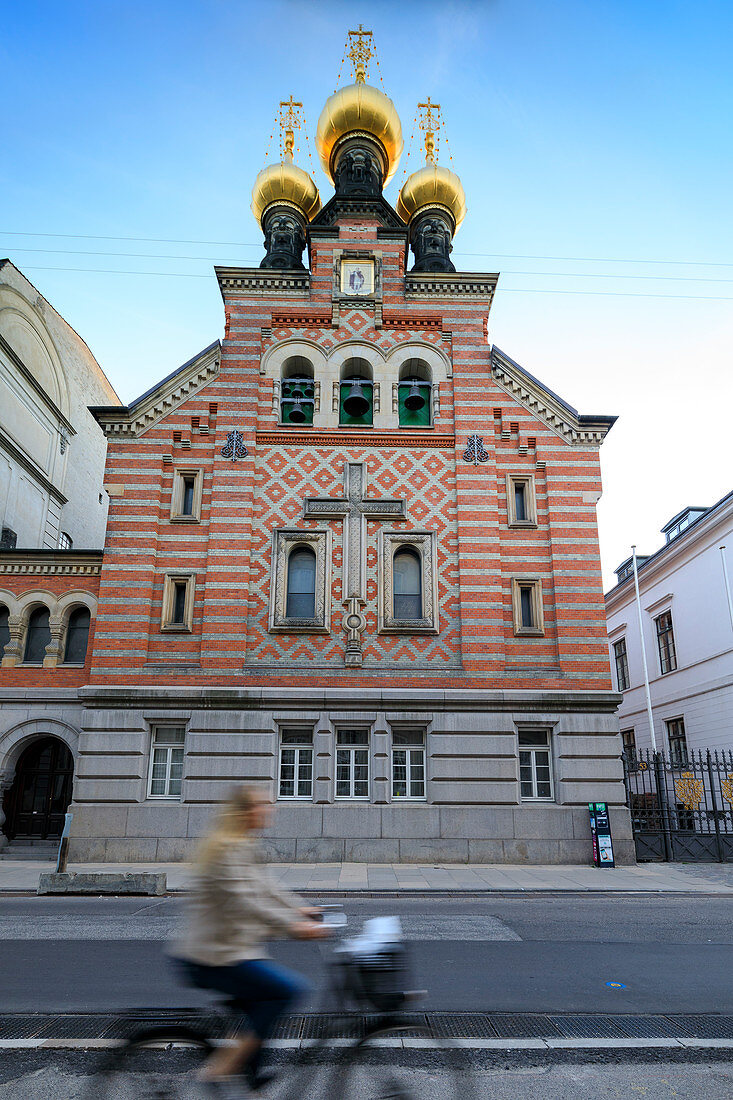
[230, 822]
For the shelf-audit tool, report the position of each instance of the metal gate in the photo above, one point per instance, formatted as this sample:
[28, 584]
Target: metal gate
[681, 807]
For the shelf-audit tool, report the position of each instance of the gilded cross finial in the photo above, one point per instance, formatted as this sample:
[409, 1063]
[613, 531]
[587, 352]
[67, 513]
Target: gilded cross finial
[430, 123]
[290, 120]
[361, 52]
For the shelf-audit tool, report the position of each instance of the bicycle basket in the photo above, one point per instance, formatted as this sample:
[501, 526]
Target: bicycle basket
[380, 979]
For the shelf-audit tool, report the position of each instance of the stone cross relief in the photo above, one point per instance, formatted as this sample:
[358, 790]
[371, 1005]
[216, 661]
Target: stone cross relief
[354, 508]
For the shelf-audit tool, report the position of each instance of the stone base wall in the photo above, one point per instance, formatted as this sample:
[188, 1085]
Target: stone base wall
[472, 812]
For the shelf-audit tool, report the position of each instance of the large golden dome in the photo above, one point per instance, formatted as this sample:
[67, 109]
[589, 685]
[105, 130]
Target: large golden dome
[285, 182]
[359, 108]
[432, 185]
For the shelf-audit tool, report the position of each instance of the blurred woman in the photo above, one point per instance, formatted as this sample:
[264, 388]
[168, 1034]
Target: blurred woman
[235, 907]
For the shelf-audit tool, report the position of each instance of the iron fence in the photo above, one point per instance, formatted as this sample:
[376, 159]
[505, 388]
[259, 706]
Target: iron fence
[681, 806]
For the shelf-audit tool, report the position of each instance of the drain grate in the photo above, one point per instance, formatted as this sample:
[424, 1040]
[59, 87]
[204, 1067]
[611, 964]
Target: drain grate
[331, 1026]
[464, 1025]
[706, 1027]
[509, 1025]
[289, 1027]
[21, 1027]
[587, 1027]
[649, 1027]
[76, 1026]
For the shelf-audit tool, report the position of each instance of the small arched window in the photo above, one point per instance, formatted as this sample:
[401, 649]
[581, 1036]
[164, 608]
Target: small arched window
[407, 579]
[301, 601]
[415, 395]
[77, 636]
[37, 636]
[4, 629]
[297, 392]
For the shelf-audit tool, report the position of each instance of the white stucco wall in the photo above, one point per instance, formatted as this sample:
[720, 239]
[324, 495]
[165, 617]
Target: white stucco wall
[687, 578]
[37, 468]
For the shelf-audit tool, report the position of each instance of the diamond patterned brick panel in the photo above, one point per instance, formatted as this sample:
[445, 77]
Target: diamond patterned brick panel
[284, 476]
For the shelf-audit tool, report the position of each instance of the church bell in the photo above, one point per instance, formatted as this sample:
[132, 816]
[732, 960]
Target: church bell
[297, 414]
[414, 399]
[355, 403]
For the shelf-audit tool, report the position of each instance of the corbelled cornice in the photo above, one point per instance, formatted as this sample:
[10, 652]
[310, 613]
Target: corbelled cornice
[254, 282]
[50, 562]
[573, 427]
[133, 420]
[456, 284]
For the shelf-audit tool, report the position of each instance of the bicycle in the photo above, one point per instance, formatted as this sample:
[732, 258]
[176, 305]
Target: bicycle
[357, 1055]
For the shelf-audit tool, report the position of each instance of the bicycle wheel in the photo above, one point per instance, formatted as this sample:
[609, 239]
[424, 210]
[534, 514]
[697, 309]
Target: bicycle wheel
[160, 1063]
[405, 1062]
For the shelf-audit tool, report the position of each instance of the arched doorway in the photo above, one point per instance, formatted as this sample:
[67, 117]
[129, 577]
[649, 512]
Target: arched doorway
[35, 805]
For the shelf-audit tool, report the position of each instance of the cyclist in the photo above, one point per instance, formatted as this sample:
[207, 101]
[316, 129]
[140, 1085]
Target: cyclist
[235, 907]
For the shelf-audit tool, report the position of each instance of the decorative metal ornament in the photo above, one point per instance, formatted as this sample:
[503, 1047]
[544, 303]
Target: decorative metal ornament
[726, 788]
[475, 452]
[234, 447]
[689, 790]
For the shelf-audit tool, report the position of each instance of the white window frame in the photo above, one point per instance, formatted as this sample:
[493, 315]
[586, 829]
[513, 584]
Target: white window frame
[658, 636]
[305, 745]
[417, 746]
[169, 746]
[351, 750]
[533, 749]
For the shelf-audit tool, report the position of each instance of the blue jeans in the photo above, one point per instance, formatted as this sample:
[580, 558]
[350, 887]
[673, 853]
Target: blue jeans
[262, 989]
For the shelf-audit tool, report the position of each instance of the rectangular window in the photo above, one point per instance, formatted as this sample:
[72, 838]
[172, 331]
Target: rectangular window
[628, 739]
[186, 496]
[622, 664]
[408, 764]
[296, 764]
[535, 766]
[665, 643]
[352, 764]
[521, 504]
[177, 610]
[677, 742]
[527, 606]
[166, 762]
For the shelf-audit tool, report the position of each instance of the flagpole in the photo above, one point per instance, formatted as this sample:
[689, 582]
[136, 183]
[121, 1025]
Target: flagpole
[650, 715]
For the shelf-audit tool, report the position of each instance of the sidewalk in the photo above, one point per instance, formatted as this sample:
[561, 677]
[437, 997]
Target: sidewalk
[18, 876]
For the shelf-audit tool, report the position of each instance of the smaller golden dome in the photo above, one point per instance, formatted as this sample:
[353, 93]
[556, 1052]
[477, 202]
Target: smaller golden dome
[285, 182]
[359, 108]
[432, 185]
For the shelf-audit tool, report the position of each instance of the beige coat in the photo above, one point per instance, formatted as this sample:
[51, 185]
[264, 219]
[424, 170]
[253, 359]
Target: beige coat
[235, 907]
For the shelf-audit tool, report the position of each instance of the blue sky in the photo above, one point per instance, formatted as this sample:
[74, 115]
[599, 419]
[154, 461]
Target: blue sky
[589, 136]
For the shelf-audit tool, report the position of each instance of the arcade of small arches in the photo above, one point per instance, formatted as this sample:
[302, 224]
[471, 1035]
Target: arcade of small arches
[356, 385]
[40, 630]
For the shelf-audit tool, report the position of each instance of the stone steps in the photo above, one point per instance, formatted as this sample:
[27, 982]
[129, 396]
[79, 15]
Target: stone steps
[41, 850]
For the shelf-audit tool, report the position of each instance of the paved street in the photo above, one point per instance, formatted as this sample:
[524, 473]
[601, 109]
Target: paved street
[548, 954]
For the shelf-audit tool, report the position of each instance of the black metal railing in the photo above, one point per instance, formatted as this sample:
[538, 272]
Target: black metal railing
[681, 805]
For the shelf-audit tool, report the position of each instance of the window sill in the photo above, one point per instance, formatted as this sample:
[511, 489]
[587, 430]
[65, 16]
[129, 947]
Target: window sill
[176, 628]
[185, 519]
[529, 632]
[546, 801]
[299, 628]
[530, 523]
[164, 798]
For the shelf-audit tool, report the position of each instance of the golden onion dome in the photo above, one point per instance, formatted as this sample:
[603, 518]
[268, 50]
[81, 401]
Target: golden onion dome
[285, 182]
[359, 108]
[432, 185]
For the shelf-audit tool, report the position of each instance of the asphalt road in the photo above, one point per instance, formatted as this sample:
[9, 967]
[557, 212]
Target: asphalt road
[542, 954]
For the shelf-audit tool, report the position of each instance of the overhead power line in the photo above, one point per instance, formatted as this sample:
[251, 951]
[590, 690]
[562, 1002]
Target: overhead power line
[492, 255]
[502, 290]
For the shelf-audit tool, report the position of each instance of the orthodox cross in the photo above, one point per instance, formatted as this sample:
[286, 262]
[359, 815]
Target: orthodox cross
[430, 124]
[290, 121]
[361, 52]
[354, 508]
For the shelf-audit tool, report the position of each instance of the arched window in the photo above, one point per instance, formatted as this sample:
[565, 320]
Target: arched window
[297, 392]
[37, 636]
[301, 601]
[356, 402]
[407, 580]
[415, 395]
[4, 629]
[77, 636]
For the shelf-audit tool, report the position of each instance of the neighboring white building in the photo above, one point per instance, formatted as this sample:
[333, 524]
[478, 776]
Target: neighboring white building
[688, 636]
[52, 452]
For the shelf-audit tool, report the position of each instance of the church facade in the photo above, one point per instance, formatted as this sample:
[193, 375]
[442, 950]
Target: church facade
[352, 553]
